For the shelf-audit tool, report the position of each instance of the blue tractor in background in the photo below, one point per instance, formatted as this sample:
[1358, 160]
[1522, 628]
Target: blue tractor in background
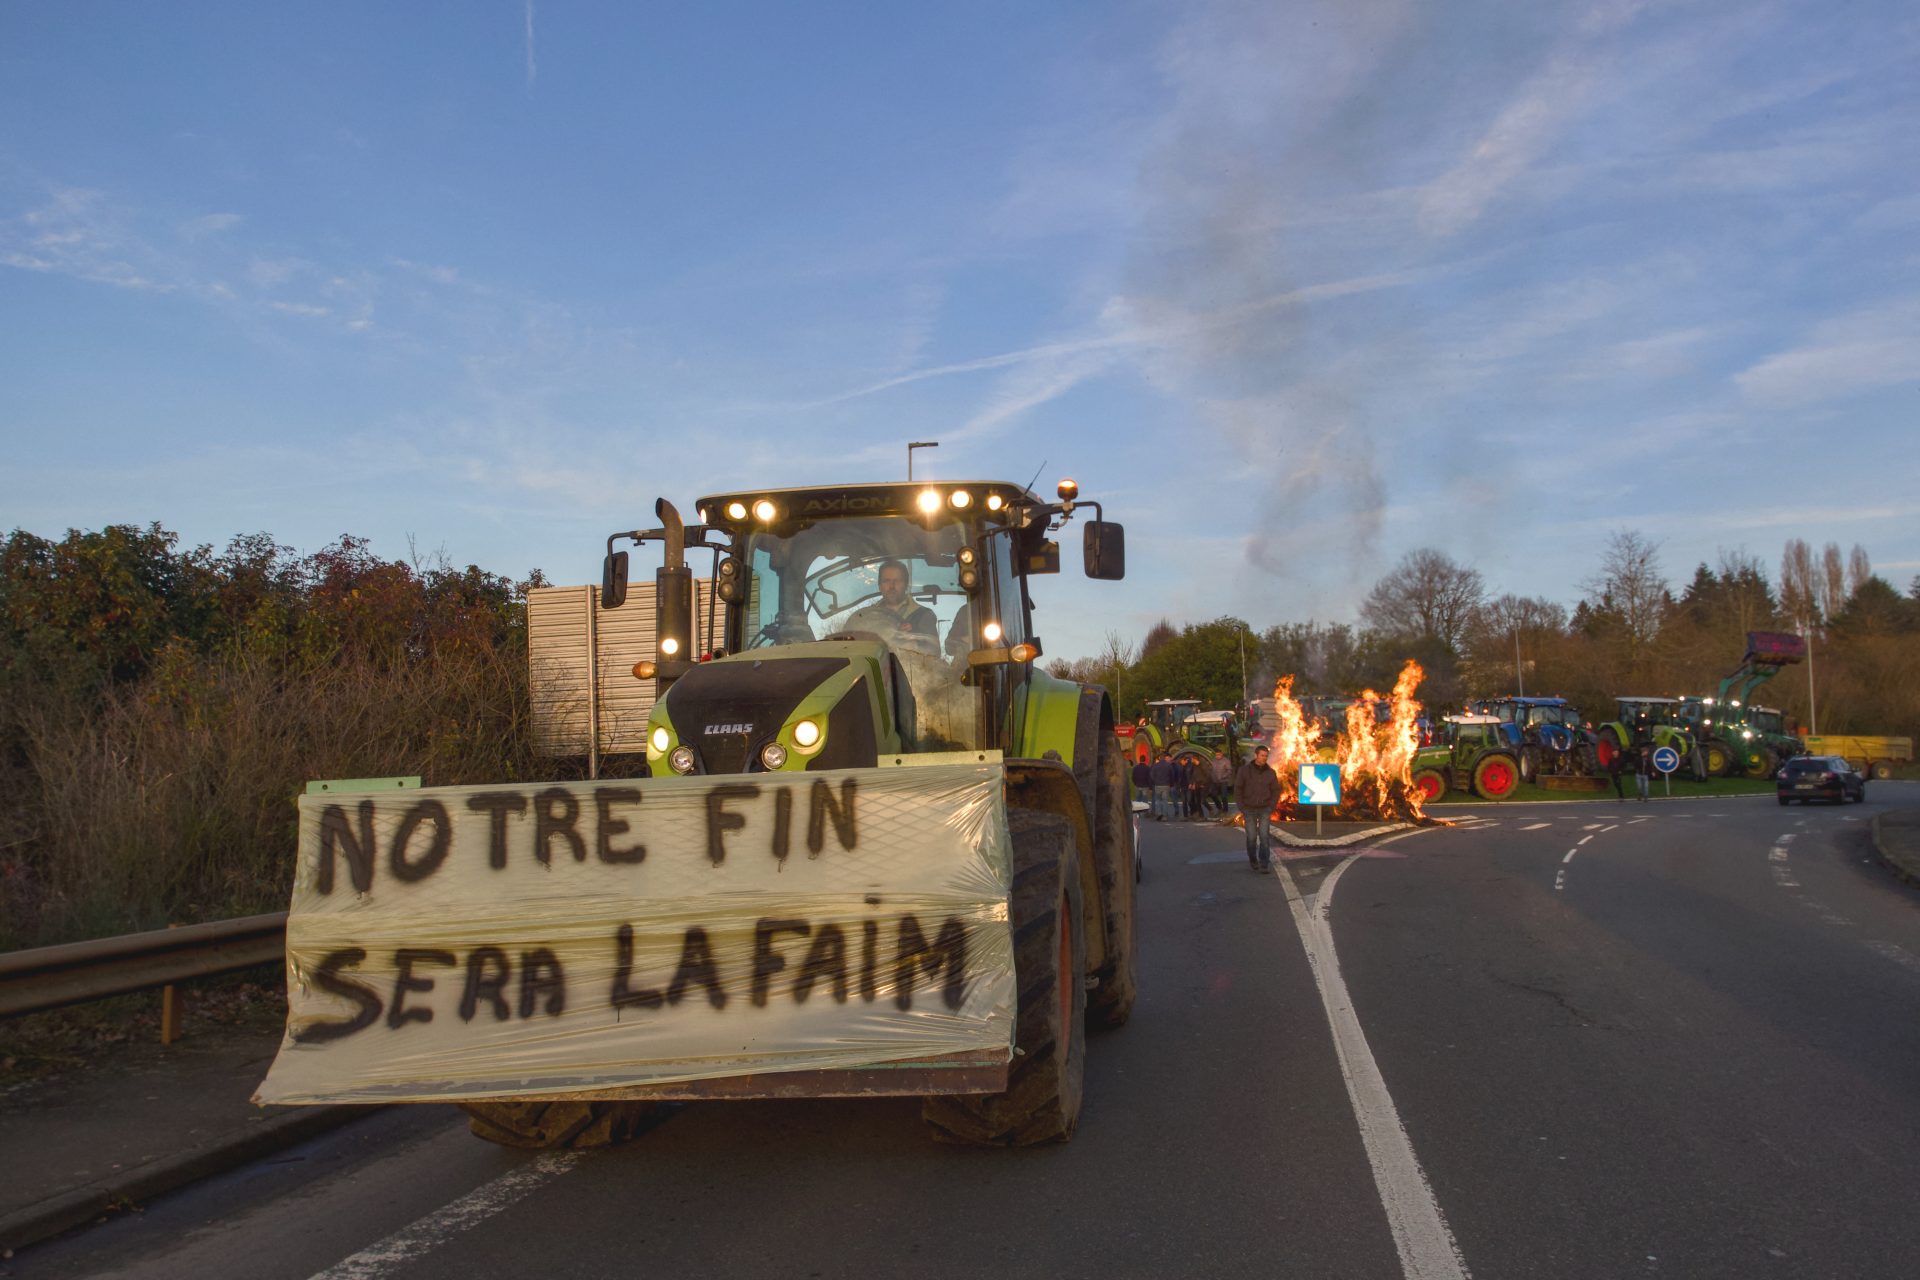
[1547, 735]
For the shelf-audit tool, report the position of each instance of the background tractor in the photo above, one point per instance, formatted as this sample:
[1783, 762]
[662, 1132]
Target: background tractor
[1640, 721]
[1473, 753]
[1547, 734]
[1735, 736]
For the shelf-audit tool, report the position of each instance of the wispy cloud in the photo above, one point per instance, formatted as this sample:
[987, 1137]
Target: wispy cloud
[533, 68]
[1864, 351]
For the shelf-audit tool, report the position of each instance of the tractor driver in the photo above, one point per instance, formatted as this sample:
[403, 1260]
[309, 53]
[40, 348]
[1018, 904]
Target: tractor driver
[896, 617]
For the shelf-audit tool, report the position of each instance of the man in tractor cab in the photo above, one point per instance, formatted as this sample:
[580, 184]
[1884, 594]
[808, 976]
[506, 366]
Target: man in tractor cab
[897, 617]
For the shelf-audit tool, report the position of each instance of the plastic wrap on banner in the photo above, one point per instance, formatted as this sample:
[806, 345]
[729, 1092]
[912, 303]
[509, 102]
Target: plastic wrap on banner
[504, 941]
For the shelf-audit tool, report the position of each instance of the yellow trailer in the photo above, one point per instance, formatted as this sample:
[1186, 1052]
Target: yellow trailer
[1874, 756]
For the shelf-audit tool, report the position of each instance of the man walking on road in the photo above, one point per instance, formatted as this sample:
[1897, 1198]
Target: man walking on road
[1256, 788]
[1643, 770]
[1221, 774]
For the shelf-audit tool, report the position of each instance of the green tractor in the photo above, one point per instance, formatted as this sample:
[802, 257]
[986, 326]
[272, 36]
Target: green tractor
[1656, 722]
[1735, 736]
[876, 626]
[1473, 753]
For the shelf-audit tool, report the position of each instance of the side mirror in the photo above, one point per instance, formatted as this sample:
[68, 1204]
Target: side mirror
[613, 581]
[1106, 550]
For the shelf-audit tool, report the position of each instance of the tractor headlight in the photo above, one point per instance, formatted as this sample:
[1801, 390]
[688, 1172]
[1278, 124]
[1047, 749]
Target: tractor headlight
[806, 734]
[991, 633]
[736, 511]
[773, 755]
[764, 511]
[659, 739]
[681, 761]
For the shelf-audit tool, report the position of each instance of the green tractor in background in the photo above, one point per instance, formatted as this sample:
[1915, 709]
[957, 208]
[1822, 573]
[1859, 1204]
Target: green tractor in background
[1472, 753]
[1735, 736]
[1656, 722]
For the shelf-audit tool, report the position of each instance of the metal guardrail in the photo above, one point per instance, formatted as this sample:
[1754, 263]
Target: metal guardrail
[53, 977]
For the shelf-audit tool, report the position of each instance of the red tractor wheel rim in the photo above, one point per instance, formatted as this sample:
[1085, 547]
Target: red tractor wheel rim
[1429, 785]
[1499, 778]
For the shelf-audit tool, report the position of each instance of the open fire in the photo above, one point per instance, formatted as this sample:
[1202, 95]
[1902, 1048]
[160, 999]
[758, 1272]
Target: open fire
[1375, 755]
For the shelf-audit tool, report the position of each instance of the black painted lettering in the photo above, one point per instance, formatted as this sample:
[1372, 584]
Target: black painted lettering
[719, 821]
[424, 812]
[767, 961]
[623, 996]
[607, 826]
[555, 811]
[541, 975]
[782, 824]
[336, 835]
[487, 973]
[405, 980]
[821, 805]
[869, 959]
[696, 965]
[912, 958]
[329, 979]
[826, 960]
[497, 805]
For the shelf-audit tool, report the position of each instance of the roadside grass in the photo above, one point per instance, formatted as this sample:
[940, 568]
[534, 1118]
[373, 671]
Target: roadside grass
[1686, 787]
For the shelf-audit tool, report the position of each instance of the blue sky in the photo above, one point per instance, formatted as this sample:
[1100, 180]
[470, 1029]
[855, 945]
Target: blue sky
[1292, 289]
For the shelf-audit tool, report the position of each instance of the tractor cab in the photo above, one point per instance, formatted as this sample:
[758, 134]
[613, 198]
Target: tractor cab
[860, 621]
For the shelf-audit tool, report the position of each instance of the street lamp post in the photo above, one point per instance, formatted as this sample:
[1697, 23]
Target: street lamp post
[918, 444]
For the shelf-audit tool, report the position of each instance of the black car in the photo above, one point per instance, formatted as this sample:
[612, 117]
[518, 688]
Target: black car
[1807, 778]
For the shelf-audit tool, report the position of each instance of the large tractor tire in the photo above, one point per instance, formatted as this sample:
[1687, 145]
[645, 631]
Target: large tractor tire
[1110, 1003]
[1496, 776]
[1431, 784]
[1042, 1100]
[1529, 763]
[554, 1126]
[1762, 764]
[1882, 770]
[1720, 760]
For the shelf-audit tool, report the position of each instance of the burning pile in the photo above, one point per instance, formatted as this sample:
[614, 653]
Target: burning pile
[1375, 756]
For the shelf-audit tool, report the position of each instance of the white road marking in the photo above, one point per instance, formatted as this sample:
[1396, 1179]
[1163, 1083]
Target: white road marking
[388, 1256]
[1426, 1246]
[1591, 826]
[1784, 878]
[1785, 839]
[1569, 858]
[1610, 827]
[1631, 821]
[1583, 840]
[1899, 955]
[1776, 854]
[1559, 880]
[1535, 826]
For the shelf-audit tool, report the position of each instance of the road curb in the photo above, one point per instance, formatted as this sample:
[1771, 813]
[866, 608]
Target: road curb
[1903, 863]
[61, 1213]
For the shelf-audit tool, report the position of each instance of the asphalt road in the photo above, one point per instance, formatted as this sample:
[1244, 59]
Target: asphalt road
[1688, 1050]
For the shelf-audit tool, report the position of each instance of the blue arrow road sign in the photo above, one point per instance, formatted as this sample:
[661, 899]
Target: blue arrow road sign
[1666, 759]
[1320, 784]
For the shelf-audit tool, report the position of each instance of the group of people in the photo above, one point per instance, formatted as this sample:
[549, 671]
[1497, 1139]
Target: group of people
[1184, 786]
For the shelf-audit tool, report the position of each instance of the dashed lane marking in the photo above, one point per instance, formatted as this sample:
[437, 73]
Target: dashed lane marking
[1535, 826]
[1610, 827]
[1569, 857]
[1559, 880]
[387, 1257]
[1584, 839]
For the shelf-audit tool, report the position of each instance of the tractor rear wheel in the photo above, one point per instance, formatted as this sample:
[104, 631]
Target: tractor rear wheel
[554, 1126]
[1762, 764]
[1719, 760]
[1110, 1002]
[1042, 1099]
[1496, 777]
[1431, 784]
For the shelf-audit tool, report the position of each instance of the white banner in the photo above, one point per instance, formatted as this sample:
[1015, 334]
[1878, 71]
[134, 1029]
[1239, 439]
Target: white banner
[468, 942]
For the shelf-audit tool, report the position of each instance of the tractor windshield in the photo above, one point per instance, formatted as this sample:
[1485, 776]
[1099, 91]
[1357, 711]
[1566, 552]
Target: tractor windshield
[883, 576]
